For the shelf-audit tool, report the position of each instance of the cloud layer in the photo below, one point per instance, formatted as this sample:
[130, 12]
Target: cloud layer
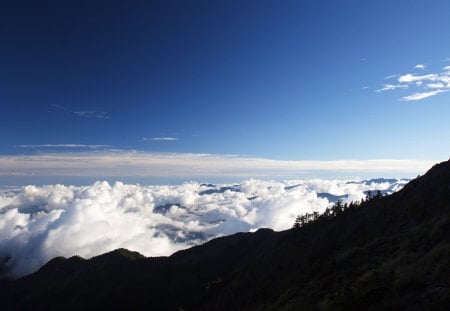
[193, 166]
[39, 223]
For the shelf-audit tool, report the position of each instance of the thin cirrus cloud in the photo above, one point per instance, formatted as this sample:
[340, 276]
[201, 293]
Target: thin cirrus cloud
[91, 114]
[160, 138]
[390, 87]
[422, 95]
[64, 146]
[390, 77]
[425, 85]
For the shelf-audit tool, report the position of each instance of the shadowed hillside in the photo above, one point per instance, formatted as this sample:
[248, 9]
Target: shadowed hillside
[391, 253]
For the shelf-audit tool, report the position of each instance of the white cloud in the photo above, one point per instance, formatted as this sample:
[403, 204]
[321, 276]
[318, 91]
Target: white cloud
[390, 77]
[76, 146]
[423, 95]
[435, 85]
[422, 83]
[391, 87]
[191, 166]
[420, 66]
[161, 138]
[408, 78]
[39, 223]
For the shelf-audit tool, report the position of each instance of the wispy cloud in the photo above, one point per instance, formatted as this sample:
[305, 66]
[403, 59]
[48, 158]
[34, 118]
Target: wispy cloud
[435, 85]
[391, 87]
[186, 165]
[420, 66]
[64, 146]
[94, 114]
[423, 95]
[91, 114]
[425, 86]
[390, 77]
[160, 139]
[410, 78]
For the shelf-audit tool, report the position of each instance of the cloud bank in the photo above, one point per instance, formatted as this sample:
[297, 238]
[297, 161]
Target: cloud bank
[39, 223]
[117, 165]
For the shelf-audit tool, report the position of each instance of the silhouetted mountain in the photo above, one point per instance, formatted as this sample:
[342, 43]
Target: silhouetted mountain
[219, 190]
[391, 253]
[379, 181]
[162, 209]
[331, 197]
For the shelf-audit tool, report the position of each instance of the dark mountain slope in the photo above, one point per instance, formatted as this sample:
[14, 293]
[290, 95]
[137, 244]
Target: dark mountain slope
[127, 280]
[390, 253]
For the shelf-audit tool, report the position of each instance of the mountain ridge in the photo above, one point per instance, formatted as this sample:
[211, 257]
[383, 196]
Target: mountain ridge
[390, 253]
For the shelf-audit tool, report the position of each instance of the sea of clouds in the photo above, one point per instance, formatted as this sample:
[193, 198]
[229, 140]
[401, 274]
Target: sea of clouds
[39, 223]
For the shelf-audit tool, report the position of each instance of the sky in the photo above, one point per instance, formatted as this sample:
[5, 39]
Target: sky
[156, 91]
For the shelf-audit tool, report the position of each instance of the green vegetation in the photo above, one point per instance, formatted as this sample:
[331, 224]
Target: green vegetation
[337, 209]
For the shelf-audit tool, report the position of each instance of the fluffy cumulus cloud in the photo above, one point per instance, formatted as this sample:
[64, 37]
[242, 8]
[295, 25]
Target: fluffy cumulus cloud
[426, 85]
[39, 223]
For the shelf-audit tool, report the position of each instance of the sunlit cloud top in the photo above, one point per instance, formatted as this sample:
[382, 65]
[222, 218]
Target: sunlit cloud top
[39, 223]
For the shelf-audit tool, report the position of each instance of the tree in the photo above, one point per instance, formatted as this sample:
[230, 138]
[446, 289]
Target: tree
[378, 195]
[337, 208]
[298, 222]
[369, 195]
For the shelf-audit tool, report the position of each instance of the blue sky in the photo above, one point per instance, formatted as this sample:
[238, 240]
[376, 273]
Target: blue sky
[278, 80]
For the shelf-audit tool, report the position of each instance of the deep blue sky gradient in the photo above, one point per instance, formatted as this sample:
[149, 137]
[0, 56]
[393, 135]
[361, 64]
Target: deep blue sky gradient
[275, 79]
